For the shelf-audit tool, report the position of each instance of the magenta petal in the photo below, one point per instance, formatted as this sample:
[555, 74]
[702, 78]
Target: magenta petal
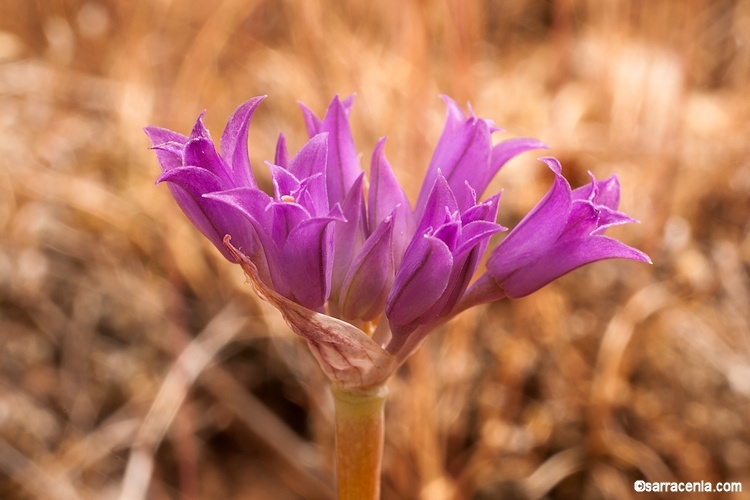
[368, 282]
[350, 233]
[461, 156]
[439, 206]
[386, 194]
[475, 233]
[582, 221]
[158, 135]
[201, 152]
[609, 218]
[284, 182]
[608, 192]
[170, 155]
[168, 146]
[252, 203]
[538, 230]
[213, 219]
[420, 281]
[308, 258]
[312, 122]
[281, 158]
[386, 197]
[234, 143]
[312, 158]
[487, 211]
[256, 209]
[285, 216]
[343, 162]
[564, 257]
[199, 129]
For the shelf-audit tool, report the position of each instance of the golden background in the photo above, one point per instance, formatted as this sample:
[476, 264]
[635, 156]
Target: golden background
[136, 363]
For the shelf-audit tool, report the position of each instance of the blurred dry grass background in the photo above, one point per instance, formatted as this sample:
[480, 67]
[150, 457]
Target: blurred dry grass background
[135, 363]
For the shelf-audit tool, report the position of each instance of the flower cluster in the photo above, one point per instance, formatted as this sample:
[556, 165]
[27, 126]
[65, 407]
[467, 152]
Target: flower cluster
[357, 271]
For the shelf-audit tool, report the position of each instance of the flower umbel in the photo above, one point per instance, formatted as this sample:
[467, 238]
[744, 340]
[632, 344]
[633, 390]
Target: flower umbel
[357, 271]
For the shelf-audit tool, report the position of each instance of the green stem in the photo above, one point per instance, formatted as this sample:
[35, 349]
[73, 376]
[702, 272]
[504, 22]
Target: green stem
[359, 442]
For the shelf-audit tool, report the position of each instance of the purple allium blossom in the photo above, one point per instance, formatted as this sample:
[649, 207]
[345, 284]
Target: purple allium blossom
[354, 269]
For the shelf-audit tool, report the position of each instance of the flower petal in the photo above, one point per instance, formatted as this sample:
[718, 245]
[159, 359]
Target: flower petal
[213, 219]
[350, 234]
[284, 181]
[308, 259]
[281, 158]
[312, 158]
[420, 281]
[439, 206]
[200, 152]
[537, 231]
[234, 143]
[312, 122]
[168, 146]
[256, 208]
[386, 197]
[343, 162]
[158, 135]
[368, 282]
[462, 155]
[562, 258]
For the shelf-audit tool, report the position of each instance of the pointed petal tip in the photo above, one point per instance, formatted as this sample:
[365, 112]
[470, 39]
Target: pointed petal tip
[553, 163]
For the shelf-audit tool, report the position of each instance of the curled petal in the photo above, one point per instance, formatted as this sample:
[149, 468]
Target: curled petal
[562, 258]
[609, 218]
[346, 354]
[234, 143]
[168, 146]
[170, 155]
[475, 233]
[582, 221]
[200, 152]
[538, 230]
[601, 193]
[608, 192]
[486, 211]
[158, 135]
[449, 233]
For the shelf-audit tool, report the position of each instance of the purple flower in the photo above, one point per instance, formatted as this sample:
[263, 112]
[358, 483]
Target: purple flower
[192, 167]
[353, 268]
[563, 232]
